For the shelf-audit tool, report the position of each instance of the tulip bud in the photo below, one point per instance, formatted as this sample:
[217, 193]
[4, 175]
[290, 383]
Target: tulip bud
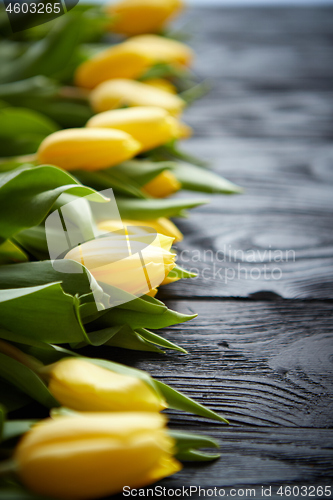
[149, 125]
[95, 455]
[119, 61]
[161, 83]
[162, 49]
[120, 92]
[163, 185]
[132, 17]
[132, 263]
[87, 149]
[83, 386]
[160, 225]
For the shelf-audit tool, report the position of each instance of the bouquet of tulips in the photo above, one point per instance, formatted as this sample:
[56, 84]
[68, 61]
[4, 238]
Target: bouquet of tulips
[89, 132]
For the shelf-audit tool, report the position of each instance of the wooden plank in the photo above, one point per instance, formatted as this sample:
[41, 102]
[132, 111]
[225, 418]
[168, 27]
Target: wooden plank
[273, 457]
[256, 363]
[284, 114]
[289, 177]
[244, 255]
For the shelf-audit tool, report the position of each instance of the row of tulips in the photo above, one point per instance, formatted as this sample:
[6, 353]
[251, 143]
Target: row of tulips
[105, 430]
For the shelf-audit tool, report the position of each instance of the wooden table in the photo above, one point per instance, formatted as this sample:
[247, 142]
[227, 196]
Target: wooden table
[261, 349]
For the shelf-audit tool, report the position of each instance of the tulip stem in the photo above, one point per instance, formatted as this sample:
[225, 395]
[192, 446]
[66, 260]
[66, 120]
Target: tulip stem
[76, 93]
[19, 159]
[15, 353]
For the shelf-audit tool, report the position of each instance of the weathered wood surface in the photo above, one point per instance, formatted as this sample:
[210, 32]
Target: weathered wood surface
[265, 363]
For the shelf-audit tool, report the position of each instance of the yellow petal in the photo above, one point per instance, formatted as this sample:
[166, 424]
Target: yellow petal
[163, 185]
[134, 264]
[161, 83]
[119, 61]
[83, 386]
[87, 149]
[121, 92]
[151, 126]
[93, 456]
[162, 49]
[161, 225]
[132, 17]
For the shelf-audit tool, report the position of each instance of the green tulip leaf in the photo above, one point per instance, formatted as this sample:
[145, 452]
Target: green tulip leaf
[18, 122]
[154, 208]
[127, 338]
[181, 273]
[136, 319]
[179, 401]
[188, 446]
[142, 171]
[198, 179]
[158, 340]
[12, 398]
[44, 313]
[27, 195]
[15, 428]
[26, 381]
[118, 181]
[48, 56]
[36, 87]
[11, 253]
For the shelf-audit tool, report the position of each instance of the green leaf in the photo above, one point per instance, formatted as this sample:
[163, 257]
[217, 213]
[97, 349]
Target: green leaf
[181, 273]
[26, 381]
[152, 209]
[137, 319]
[38, 86]
[27, 195]
[188, 446]
[73, 279]
[15, 428]
[44, 313]
[142, 171]
[118, 181]
[127, 338]
[171, 152]
[197, 179]
[20, 121]
[12, 398]
[48, 56]
[158, 340]
[11, 253]
[179, 401]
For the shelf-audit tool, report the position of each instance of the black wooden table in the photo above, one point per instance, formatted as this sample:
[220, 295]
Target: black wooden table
[261, 349]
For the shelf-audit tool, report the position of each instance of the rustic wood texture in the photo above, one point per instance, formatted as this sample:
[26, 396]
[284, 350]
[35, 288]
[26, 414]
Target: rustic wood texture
[264, 363]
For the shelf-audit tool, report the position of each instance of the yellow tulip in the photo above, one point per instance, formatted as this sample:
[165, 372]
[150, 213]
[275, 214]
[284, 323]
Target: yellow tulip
[163, 185]
[162, 49]
[133, 263]
[118, 61]
[83, 386]
[87, 149]
[161, 83]
[132, 17]
[151, 126]
[121, 92]
[160, 225]
[95, 455]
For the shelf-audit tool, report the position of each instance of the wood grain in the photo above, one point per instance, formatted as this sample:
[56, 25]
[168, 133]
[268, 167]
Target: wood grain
[264, 363]
[256, 363]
